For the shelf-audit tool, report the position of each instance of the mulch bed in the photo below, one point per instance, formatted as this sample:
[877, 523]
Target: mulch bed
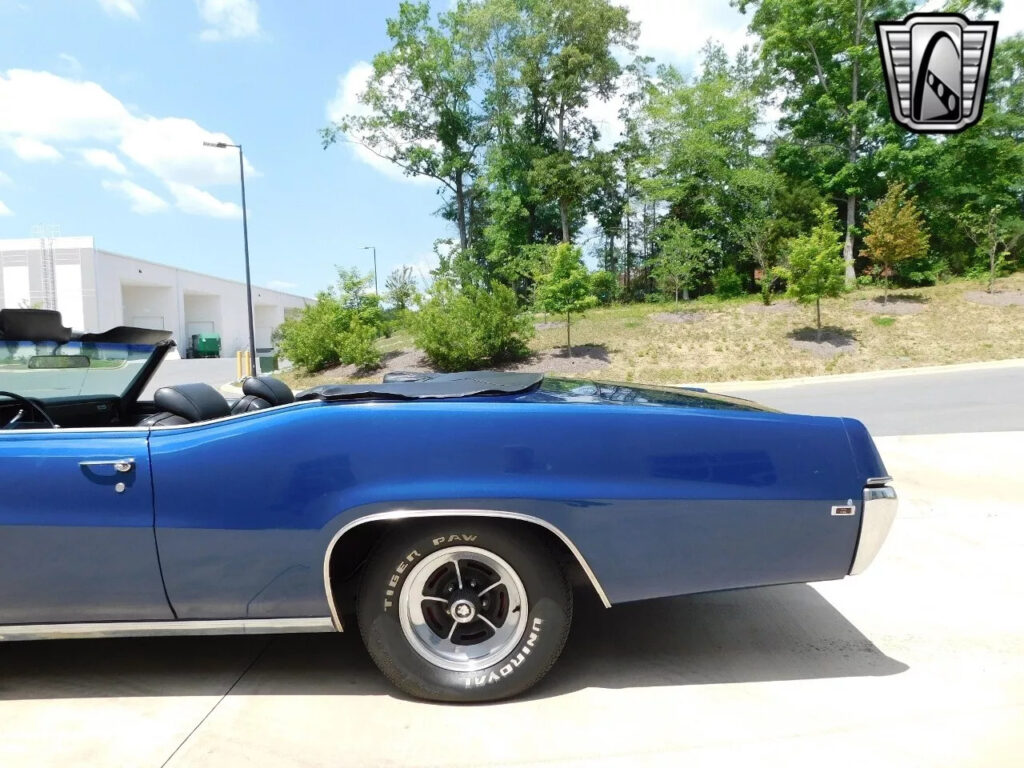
[996, 299]
[678, 317]
[831, 343]
[585, 357]
[895, 306]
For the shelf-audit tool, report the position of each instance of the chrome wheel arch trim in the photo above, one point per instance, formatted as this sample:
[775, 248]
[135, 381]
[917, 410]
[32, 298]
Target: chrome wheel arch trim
[409, 514]
[163, 628]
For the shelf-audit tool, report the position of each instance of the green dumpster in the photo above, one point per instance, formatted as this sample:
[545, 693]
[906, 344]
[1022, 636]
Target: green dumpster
[205, 345]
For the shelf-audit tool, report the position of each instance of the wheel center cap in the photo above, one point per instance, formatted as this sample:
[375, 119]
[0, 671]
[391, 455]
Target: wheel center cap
[463, 611]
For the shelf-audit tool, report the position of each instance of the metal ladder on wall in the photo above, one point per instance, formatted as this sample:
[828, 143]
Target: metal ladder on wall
[48, 278]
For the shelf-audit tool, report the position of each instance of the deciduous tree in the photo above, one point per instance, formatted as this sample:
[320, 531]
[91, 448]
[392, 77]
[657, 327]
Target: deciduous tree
[823, 58]
[815, 264]
[565, 288]
[421, 113]
[684, 257]
[400, 288]
[895, 231]
[993, 234]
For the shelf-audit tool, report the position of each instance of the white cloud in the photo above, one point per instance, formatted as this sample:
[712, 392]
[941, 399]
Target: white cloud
[422, 267]
[197, 201]
[1011, 19]
[32, 150]
[346, 102]
[53, 108]
[605, 115]
[142, 200]
[4, 210]
[5, 180]
[44, 113]
[229, 19]
[172, 148]
[674, 32]
[102, 158]
[121, 8]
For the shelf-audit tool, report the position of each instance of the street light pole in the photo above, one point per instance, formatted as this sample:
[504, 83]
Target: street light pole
[245, 236]
[376, 289]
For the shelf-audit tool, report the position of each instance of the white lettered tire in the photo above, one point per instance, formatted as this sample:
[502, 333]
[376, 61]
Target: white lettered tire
[463, 610]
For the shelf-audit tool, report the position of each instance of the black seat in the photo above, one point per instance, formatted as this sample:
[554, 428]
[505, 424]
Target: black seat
[186, 404]
[261, 392]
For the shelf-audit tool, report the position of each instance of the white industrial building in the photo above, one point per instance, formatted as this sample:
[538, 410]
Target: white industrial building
[95, 290]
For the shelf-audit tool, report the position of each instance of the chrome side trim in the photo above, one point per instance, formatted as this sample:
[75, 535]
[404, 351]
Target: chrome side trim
[880, 505]
[233, 416]
[404, 514]
[162, 628]
[876, 481]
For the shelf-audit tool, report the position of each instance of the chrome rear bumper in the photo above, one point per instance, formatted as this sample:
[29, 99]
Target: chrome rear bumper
[877, 517]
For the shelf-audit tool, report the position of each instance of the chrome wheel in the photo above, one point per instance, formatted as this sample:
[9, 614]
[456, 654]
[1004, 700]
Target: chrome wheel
[463, 608]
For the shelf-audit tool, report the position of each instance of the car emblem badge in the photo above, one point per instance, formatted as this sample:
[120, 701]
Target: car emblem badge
[844, 510]
[936, 67]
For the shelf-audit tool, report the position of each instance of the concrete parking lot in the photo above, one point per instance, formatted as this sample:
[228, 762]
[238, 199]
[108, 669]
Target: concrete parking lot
[918, 662]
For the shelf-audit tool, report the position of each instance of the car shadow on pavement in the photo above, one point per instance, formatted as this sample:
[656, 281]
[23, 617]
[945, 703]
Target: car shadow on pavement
[772, 633]
[787, 632]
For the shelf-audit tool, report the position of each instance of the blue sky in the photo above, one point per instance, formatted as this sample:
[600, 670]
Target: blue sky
[104, 105]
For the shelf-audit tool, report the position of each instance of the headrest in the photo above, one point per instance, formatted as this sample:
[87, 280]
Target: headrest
[195, 402]
[33, 325]
[274, 391]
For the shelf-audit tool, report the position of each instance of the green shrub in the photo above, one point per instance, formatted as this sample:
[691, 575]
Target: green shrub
[473, 327]
[917, 272]
[728, 284]
[605, 286]
[342, 326]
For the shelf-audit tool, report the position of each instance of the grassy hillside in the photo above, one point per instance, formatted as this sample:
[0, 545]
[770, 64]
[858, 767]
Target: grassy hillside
[711, 340]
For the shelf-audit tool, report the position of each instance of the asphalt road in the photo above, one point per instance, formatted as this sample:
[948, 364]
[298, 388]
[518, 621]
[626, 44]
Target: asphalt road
[918, 662]
[983, 400]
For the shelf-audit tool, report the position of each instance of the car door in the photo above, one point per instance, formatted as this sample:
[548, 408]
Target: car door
[76, 527]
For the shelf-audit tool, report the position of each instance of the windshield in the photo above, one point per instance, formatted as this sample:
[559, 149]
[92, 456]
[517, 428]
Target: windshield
[48, 370]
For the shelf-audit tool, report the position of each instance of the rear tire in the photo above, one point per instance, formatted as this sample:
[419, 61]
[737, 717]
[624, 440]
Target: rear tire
[464, 610]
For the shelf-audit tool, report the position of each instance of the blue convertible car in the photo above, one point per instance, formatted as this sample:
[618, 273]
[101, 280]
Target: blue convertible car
[448, 517]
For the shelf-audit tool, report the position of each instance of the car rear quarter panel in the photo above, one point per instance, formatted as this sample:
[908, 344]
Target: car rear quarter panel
[660, 501]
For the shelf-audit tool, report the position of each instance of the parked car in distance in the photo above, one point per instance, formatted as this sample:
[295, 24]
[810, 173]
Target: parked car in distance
[446, 517]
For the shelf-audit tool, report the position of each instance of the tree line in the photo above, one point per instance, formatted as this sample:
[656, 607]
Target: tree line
[718, 169]
[716, 180]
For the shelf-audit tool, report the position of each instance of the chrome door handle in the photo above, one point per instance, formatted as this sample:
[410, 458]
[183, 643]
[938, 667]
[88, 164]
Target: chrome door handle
[120, 465]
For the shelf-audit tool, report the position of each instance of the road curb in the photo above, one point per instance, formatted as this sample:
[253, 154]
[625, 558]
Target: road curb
[841, 378]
